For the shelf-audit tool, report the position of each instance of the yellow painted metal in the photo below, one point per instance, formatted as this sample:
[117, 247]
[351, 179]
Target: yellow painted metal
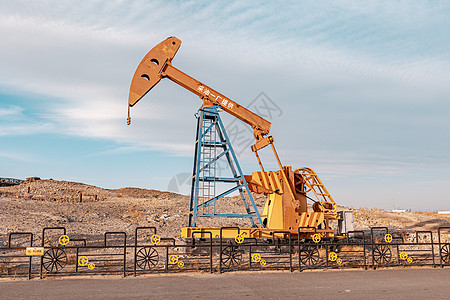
[325, 202]
[270, 181]
[34, 251]
[286, 206]
[285, 212]
[231, 233]
[157, 64]
[273, 212]
[282, 212]
[311, 219]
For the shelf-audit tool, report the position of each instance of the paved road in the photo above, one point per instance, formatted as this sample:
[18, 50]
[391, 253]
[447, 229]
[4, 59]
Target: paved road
[349, 284]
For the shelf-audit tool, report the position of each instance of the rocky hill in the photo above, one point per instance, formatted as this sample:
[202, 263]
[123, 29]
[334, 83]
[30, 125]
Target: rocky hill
[87, 210]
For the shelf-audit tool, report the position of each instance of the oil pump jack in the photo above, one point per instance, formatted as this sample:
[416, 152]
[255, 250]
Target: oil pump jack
[286, 208]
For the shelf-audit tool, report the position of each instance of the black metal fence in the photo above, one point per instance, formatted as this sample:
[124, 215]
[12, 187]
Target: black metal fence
[59, 254]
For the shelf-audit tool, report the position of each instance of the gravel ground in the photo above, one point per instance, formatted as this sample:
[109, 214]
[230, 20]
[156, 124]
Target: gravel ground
[30, 206]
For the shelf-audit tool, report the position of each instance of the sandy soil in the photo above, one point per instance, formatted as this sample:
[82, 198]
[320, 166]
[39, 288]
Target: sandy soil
[30, 206]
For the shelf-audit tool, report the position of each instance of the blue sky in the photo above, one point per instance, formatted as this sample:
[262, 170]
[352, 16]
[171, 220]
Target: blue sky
[363, 88]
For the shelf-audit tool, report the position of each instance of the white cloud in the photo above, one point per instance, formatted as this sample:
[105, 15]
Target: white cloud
[86, 62]
[28, 128]
[17, 156]
[370, 76]
[10, 111]
[14, 122]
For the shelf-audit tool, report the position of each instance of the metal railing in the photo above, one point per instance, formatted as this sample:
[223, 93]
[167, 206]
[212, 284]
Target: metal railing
[146, 252]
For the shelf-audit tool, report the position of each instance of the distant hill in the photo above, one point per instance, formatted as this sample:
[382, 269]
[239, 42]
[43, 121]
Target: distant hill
[10, 181]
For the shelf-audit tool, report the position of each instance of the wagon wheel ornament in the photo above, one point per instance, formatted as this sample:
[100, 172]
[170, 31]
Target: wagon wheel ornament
[445, 253]
[231, 257]
[54, 260]
[309, 255]
[382, 254]
[147, 258]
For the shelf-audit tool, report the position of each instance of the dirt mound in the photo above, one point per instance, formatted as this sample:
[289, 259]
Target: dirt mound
[143, 193]
[75, 192]
[30, 206]
[56, 191]
[401, 221]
